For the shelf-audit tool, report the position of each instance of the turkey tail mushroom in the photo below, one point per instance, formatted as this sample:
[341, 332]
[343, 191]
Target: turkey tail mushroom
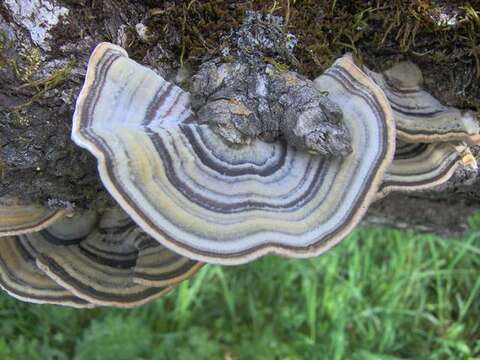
[21, 278]
[423, 166]
[82, 261]
[19, 274]
[17, 218]
[158, 266]
[418, 115]
[102, 267]
[217, 202]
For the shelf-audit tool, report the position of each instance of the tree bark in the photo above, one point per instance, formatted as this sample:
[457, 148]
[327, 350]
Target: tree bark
[44, 49]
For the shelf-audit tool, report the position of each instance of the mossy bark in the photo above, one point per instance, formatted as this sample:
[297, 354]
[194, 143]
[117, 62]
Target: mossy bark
[43, 61]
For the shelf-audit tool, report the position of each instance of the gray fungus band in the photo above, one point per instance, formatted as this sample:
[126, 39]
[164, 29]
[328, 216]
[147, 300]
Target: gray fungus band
[90, 260]
[422, 166]
[420, 117]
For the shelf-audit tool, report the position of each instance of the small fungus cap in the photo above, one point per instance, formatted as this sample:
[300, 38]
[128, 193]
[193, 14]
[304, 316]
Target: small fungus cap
[19, 274]
[220, 203]
[101, 267]
[423, 166]
[86, 260]
[21, 278]
[418, 115]
[17, 218]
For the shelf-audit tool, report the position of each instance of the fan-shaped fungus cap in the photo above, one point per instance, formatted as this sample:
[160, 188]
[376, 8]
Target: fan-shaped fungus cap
[22, 279]
[423, 166]
[420, 117]
[17, 218]
[101, 268]
[158, 266]
[212, 201]
[19, 274]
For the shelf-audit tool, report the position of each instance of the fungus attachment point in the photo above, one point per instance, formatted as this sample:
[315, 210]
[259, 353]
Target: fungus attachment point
[17, 218]
[216, 202]
[418, 115]
[423, 166]
[468, 159]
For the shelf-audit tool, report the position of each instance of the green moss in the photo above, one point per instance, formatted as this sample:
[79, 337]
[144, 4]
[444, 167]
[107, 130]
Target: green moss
[279, 66]
[378, 33]
[20, 118]
[41, 86]
[4, 45]
[30, 61]
[25, 66]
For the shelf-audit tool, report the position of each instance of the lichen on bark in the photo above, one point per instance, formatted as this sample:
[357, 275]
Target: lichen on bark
[37, 17]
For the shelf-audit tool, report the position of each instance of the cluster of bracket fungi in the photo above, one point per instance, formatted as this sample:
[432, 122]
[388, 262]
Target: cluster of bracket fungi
[187, 195]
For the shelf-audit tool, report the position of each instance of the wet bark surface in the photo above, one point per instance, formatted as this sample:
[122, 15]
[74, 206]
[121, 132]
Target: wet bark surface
[44, 49]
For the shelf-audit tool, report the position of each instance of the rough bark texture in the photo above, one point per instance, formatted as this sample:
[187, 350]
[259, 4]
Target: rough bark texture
[44, 48]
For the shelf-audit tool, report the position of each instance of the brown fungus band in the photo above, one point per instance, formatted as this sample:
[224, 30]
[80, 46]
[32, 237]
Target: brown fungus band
[89, 260]
[217, 202]
[419, 117]
[422, 166]
[102, 267]
[19, 218]
[20, 275]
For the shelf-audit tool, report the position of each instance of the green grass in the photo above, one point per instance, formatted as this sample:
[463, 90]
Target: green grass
[380, 294]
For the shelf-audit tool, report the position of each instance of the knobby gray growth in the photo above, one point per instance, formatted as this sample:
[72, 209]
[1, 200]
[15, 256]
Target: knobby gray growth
[248, 98]
[246, 101]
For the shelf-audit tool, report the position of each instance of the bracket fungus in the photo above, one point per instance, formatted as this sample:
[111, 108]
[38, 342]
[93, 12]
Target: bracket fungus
[23, 279]
[100, 267]
[423, 166]
[86, 260]
[19, 274]
[17, 218]
[158, 266]
[420, 117]
[217, 202]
